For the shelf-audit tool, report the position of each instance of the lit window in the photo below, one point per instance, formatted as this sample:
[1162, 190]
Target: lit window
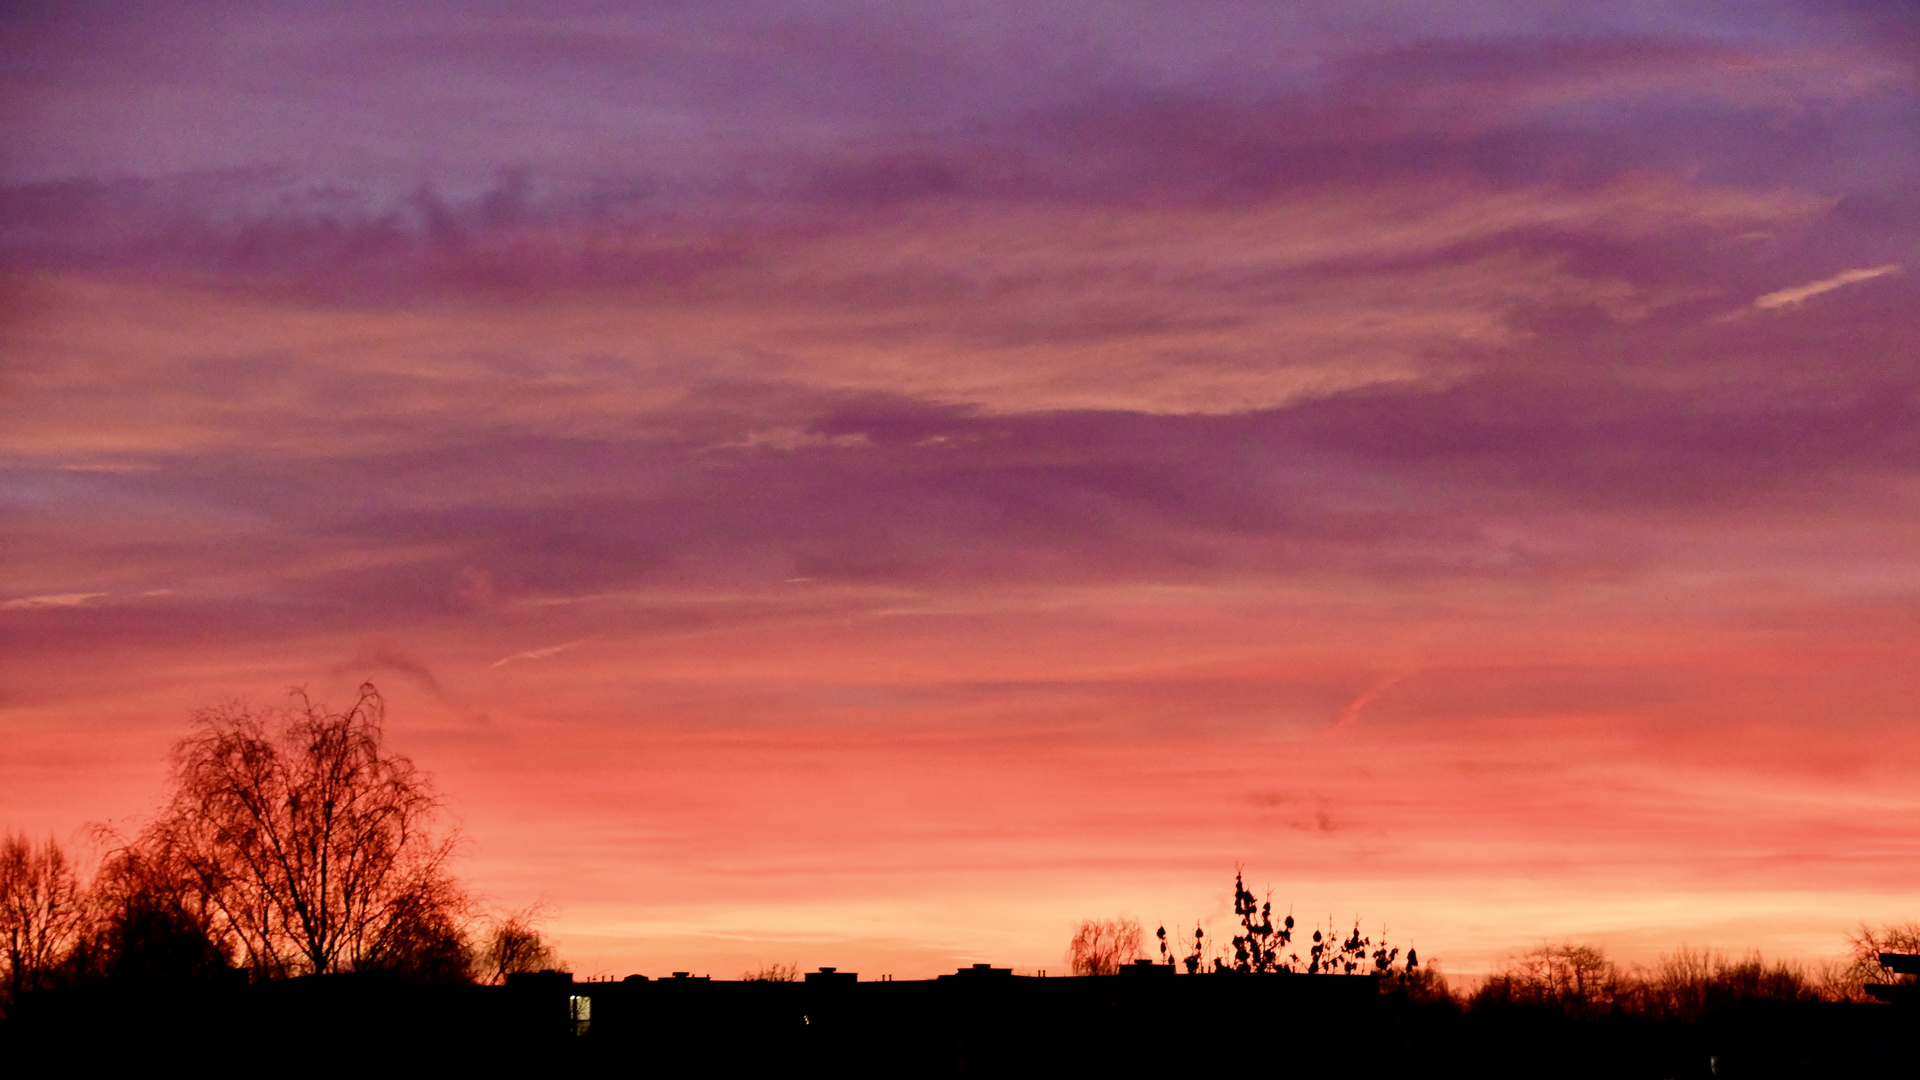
[580, 1008]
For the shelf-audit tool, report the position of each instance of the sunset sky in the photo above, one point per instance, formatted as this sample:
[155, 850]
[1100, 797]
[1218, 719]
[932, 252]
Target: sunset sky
[873, 484]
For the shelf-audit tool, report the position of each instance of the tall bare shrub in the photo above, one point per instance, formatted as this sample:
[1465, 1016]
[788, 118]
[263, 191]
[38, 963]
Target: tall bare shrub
[1577, 979]
[1687, 982]
[1102, 946]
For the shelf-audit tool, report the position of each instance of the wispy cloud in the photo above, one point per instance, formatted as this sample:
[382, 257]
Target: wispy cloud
[1801, 293]
[52, 600]
[539, 654]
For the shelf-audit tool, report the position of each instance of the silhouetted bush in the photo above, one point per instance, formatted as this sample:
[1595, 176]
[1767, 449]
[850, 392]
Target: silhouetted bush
[1419, 984]
[512, 945]
[1580, 981]
[1256, 948]
[1262, 946]
[1102, 946]
[1689, 982]
[776, 972]
[1569, 978]
[149, 924]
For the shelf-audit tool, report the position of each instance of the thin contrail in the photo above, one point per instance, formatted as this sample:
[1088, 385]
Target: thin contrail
[1351, 710]
[539, 654]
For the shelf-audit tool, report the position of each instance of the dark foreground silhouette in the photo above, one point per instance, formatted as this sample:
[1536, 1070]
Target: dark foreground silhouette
[978, 1022]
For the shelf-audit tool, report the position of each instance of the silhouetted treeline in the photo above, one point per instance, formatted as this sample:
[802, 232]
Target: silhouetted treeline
[294, 889]
[291, 842]
[1576, 979]
[1556, 1009]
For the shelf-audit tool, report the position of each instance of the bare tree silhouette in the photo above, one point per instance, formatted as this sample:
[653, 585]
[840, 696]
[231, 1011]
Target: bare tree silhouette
[316, 850]
[1866, 944]
[41, 912]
